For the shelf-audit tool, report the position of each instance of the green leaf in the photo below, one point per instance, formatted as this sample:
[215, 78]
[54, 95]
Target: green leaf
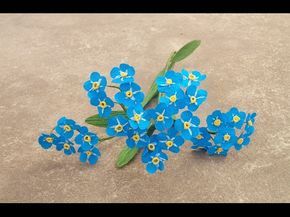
[96, 120]
[186, 50]
[126, 155]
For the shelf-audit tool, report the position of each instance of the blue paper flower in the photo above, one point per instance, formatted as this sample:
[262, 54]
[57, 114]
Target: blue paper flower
[92, 155]
[242, 141]
[170, 80]
[226, 137]
[250, 121]
[192, 78]
[137, 138]
[187, 125]
[152, 146]
[86, 139]
[195, 97]
[155, 161]
[173, 98]
[64, 144]
[103, 103]
[138, 118]
[117, 126]
[47, 140]
[65, 127]
[217, 150]
[170, 140]
[96, 84]
[162, 116]
[215, 121]
[201, 140]
[235, 118]
[130, 94]
[122, 74]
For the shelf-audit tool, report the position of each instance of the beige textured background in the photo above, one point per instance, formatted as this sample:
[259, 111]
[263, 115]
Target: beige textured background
[44, 60]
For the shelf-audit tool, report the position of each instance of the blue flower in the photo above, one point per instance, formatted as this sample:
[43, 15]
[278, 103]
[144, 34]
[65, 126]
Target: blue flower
[130, 94]
[103, 103]
[217, 150]
[96, 84]
[242, 141]
[117, 126]
[195, 97]
[201, 140]
[192, 78]
[171, 79]
[152, 146]
[187, 125]
[173, 98]
[162, 116]
[226, 136]
[155, 161]
[170, 140]
[138, 118]
[122, 74]
[250, 121]
[137, 138]
[64, 144]
[47, 140]
[92, 155]
[65, 127]
[235, 118]
[215, 121]
[86, 139]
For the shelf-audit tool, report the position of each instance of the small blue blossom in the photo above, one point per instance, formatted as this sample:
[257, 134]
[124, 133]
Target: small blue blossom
[122, 74]
[137, 138]
[162, 115]
[226, 137]
[64, 144]
[215, 121]
[243, 140]
[201, 140]
[235, 118]
[92, 155]
[130, 94]
[170, 80]
[103, 103]
[250, 121]
[217, 150]
[47, 140]
[117, 126]
[152, 146]
[170, 140]
[138, 118]
[86, 139]
[155, 161]
[187, 125]
[96, 84]
[65, 127]
[192, 78]
[195, 97]
[173, 98]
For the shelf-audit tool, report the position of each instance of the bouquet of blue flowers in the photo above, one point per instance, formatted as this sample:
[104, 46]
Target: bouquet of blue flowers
[154, 131]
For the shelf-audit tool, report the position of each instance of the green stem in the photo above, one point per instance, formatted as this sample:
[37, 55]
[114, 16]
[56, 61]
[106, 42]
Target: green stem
[112, 86]
[107, 138]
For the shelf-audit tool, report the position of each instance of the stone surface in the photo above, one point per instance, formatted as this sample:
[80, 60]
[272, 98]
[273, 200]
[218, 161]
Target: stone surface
[44, 60]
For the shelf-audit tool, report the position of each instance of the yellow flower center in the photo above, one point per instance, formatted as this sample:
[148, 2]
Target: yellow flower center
[192, 99]
[123, 74]
[219, 150]
[49, 139]
[186, 125]
[199, 137]
[217, 122]
[155, 160]
[240, 141]
[169, 81]
[250, 123]
[191, 76]
[66, 146]
[173, 98]
[87, 138]
[89, 153]
[137, 117]
[129, 93]
[118, 128]
[136, 137]
[227, 137]
[67, 128]
[169, 143]
[160, 118]
[151, 147]
[103, 104]
[96, 85]
[236, 118]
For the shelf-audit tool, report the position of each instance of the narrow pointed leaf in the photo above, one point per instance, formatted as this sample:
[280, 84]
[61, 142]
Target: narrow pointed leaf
[186, 50]
[96, 120]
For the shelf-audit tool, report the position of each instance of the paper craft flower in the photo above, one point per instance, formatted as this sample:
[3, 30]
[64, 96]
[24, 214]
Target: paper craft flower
[174, 98]
[46, 140]
[192, 78]
[217, 150]
[202, 140]
[171, 79]
[242, 141]
[122, 74]
[187, 125]
[138, 118]
[170, 140]
[117, 126]
[153, 146]
[215, 121]
[235, 118]
[226, 137]
[130, 94]
[65, 127]
[195, 97]
[162, 116]
[64, 144]
[86, 139]
[155, 161]
[92, 155]
[96, 84]
[250, 121]
[137, 138]
[103, 103]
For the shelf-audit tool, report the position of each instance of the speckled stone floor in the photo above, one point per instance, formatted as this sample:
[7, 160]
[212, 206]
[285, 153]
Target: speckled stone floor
[44, 60]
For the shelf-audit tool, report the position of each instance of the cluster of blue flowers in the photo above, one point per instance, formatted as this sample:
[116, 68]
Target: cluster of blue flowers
[66, 130]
